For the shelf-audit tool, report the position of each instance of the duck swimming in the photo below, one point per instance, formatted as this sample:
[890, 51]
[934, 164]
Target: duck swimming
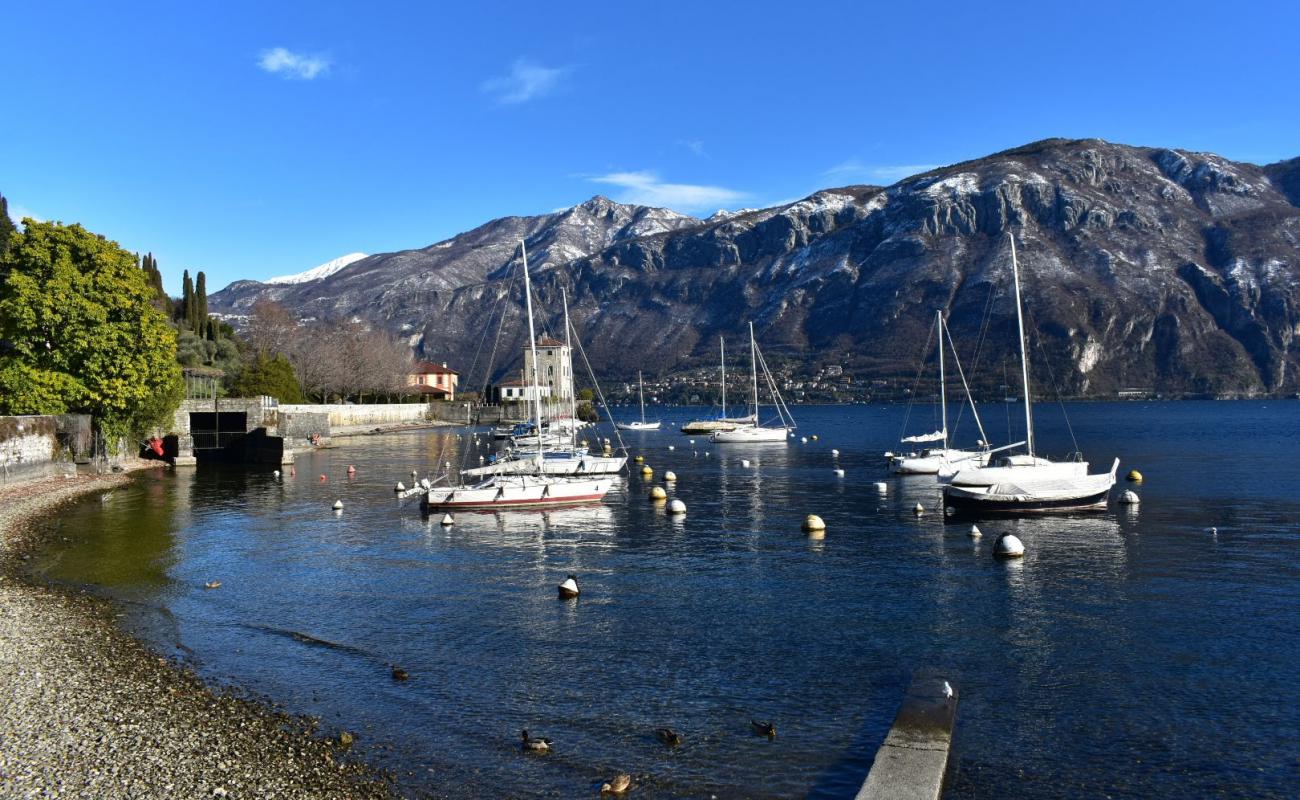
[535, 745]
[617, 785]
[668, 736]
[763, 729]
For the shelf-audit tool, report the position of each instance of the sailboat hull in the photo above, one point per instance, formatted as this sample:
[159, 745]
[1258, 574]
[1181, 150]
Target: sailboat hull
[637, 426]
[749, 435]
[575, 465]
[962, 505]
[535, 493]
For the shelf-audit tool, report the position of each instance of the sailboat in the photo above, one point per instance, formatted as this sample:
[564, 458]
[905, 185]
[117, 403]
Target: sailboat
[642, 425]
[562, 455]
[1027, 483]
[722, 422]
[755, 432]
[943, 459]
[519, 491]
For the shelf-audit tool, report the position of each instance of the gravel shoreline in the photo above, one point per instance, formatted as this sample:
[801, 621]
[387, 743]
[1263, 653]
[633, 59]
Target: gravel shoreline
[88, 711]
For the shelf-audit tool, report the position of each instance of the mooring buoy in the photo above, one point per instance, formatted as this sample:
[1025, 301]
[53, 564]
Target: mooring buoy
[1008, 546]
[569, 589]
[676, 507]
[812, 523]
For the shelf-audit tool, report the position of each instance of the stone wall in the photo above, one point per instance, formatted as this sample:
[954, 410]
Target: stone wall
[343, 416]
[29, 448]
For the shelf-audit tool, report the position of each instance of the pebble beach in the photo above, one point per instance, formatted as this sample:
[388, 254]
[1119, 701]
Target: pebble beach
[88, 711]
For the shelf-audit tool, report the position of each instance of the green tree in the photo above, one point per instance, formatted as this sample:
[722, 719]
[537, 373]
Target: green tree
[7, 227]
[187, 301]
[271, 376]
[201, 304]
[82, 334]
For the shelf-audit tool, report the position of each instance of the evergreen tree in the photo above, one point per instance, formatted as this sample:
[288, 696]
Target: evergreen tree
[82, 334]
[268, 376]
[7, 227]
[187, 300]
[201, 304]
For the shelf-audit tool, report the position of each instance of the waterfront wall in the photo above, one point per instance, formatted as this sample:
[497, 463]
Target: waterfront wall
[39, 446]
[343, 416]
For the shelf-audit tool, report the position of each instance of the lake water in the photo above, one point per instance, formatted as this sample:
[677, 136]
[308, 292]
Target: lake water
[1129, 654]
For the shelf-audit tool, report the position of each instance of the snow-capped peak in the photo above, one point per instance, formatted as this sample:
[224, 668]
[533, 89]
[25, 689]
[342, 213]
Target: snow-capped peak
[316, 273]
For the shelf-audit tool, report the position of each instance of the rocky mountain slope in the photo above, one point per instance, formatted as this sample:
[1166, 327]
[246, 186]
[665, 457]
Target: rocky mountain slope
[1142, 267]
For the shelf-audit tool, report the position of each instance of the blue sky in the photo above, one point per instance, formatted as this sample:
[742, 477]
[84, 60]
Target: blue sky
[256, 139]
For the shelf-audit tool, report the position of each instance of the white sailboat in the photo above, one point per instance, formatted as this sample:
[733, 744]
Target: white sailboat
[1027, 483]
[722, 422]
[519, 491]
[642, 425]
[562, 455]
[755, 432]
[943, 459]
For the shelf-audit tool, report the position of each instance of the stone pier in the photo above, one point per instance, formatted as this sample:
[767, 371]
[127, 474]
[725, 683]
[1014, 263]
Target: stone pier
[912, 762]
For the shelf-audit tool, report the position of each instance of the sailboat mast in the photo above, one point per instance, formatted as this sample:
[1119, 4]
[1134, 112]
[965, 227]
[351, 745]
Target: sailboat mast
[532, 346]
[753, 355]
[722, 350]
[573, 384]
[943, 385]
[640, 390]
[1024, 355]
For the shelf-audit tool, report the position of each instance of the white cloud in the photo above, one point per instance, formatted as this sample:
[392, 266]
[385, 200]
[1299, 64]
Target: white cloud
[855, 169]
[645, 188]
[16, 213]
[526, 81]
[291, 65]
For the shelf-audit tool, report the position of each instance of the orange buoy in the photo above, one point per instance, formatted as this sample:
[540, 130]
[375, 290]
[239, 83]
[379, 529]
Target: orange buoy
[322, 479]
[352, 470]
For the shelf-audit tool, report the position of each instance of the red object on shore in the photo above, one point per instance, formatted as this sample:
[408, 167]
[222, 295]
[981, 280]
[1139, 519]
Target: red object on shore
[156, 445]
[352, 470]
[322, 479]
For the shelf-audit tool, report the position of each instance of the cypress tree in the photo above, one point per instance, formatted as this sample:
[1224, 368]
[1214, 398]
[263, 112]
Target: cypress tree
[7, 227]
[187, 300]
[201, 303]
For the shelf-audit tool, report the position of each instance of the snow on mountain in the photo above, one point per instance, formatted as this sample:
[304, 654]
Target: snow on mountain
[316, 273]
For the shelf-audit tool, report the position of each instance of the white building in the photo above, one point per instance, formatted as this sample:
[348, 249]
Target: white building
[554, 375]
[513, 391]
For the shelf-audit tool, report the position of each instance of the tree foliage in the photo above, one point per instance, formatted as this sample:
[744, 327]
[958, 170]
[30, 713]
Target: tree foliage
[268, 375]
[81, 332]
[7, 227]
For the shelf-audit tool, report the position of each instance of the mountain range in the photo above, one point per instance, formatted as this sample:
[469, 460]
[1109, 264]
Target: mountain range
[1162, 269]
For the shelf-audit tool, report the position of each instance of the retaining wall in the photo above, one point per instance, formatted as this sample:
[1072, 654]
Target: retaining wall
[343, 416]
[29, 448]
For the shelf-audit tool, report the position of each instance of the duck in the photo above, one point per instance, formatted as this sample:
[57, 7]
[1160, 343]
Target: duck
[212, 585]
[400, 674]
[617, 785]
[535, 745]
[668, 736]
[763, 729]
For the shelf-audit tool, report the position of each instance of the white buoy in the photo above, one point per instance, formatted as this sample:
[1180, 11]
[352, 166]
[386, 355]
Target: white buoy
[975, 532]
[447, 519]
[918, 509]
[889, 454]
[569, 589]
[1129, 498]
[480, 459]
[839, 473]
[834, 453]
[658, 493]
[670, 476]
[1008, 546]
[1212, 531]
[275, 473]
[676, 507]
[692, 441]
[672, 447]
[744, 462]
[803, 440]
[338, 505]
[882, 487]
[415, 473]
[706, 453]
[400, 487]
[812, 522]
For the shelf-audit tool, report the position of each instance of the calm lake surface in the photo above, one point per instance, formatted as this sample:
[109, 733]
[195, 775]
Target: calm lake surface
[1129, 654]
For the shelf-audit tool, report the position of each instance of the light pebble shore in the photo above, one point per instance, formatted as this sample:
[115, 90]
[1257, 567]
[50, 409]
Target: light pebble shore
[87, 711]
